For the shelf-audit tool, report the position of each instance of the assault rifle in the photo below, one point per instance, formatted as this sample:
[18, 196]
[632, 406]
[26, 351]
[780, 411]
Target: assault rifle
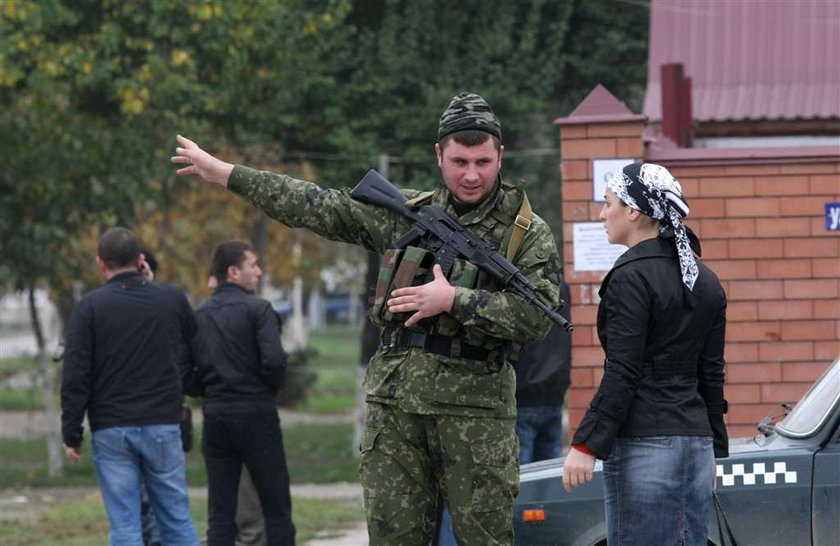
[451, 241]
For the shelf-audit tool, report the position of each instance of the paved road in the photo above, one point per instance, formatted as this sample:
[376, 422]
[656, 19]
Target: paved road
[17, 345]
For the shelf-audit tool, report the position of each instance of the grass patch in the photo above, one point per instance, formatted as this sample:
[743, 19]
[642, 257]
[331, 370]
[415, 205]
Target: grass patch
[20, 400]
[336, 346]
[320, 453]
[324, 517]
[17, 364]
[82, 521]
[336, 361]
[330, 404]
[316, 453]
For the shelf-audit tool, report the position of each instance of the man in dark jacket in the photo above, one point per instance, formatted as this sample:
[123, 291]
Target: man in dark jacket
[542, 377]
[240, 367]
[121, 366]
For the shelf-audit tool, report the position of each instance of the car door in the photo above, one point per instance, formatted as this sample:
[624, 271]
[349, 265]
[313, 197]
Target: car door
[766, 496]
[826, 497]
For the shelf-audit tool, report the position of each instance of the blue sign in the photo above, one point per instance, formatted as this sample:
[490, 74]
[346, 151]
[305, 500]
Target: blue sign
[832, 216]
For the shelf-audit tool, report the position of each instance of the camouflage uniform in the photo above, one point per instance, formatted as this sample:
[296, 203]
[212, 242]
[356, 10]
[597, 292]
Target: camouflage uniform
[435, 422]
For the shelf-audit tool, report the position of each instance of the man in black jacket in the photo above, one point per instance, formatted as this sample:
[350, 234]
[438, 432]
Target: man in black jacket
[121, 366]
[240, 367]
[542, 377]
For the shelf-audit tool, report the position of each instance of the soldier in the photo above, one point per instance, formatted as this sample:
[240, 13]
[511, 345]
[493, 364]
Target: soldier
[440, 389]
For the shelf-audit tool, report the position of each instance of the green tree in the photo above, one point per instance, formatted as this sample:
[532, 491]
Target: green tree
[92, 93]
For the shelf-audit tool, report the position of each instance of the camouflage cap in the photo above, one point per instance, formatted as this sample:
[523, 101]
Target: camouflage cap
[468, 111]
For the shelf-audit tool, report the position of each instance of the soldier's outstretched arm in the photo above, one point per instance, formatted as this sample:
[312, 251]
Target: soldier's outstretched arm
[332, 214]
[200, 163]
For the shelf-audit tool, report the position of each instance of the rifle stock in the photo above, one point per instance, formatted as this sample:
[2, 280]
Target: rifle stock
[375, 189]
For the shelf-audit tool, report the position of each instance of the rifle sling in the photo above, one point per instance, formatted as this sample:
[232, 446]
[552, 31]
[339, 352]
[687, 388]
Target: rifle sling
[521, 224]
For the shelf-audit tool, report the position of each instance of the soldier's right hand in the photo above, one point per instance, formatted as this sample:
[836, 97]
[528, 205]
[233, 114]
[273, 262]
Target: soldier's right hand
[200, 163]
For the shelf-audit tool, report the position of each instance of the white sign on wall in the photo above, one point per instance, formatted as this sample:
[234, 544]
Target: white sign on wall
[593, 252]
[602, 170]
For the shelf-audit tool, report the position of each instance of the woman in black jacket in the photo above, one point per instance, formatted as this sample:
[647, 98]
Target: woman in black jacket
[657, 418]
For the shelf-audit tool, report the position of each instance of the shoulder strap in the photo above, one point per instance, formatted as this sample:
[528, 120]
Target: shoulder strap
[521, 224]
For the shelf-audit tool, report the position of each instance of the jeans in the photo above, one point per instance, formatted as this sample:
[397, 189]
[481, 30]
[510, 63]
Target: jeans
[658, 490]
[540, 431]
[124, 458]
[253, 439]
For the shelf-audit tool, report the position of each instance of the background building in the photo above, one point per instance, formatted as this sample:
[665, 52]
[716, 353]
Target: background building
[743, 106]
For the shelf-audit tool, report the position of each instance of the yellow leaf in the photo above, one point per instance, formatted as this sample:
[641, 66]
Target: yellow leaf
[180, 57]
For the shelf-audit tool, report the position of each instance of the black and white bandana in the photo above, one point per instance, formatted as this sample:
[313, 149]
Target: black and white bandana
[653, 191]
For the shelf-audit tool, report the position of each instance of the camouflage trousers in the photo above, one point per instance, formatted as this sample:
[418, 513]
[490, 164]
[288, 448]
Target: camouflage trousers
[409, 459]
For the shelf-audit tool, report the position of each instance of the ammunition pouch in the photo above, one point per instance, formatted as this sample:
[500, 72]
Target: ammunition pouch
[400, 268]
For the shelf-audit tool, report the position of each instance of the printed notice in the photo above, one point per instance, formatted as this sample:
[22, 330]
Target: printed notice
[593, 252]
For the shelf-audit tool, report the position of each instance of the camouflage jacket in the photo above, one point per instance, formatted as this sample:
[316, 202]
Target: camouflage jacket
[420, 382]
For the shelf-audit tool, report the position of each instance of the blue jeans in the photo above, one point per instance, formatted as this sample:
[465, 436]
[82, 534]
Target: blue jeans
[445, 533]
[124, 458]
[658, 490]
[540, 431]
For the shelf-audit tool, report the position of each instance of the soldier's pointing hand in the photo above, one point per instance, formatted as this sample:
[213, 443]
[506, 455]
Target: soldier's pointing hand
[200, 162]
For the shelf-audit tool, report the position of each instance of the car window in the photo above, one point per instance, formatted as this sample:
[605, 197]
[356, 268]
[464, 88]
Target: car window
[815, 407]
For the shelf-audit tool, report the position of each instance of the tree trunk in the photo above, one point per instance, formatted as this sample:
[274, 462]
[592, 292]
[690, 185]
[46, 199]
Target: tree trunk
[55, 462]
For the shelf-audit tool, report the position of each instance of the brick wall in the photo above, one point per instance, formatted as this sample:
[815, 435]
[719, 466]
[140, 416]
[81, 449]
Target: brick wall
[760, 218]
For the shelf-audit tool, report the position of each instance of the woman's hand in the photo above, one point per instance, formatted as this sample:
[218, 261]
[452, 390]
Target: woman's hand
[578, 469]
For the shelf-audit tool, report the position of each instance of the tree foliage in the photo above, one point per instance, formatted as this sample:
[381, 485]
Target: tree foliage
[92, 93]
[533, 61]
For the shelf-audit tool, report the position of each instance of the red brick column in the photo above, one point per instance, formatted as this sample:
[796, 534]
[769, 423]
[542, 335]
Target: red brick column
[601, 127]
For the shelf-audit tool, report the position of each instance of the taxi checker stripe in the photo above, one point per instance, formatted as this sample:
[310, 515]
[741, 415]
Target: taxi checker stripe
[779, 474]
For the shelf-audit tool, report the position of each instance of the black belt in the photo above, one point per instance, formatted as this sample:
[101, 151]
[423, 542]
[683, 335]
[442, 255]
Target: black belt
[402, 338]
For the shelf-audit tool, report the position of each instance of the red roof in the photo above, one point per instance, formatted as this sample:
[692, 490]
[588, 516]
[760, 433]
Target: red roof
[749, 59]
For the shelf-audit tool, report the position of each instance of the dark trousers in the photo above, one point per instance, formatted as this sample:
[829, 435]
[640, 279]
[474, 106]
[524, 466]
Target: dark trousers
[253, 439]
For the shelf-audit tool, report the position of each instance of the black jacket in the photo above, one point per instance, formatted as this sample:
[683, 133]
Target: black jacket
[664, 367]
[240, 361]
[543, 367]
[123, 356]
